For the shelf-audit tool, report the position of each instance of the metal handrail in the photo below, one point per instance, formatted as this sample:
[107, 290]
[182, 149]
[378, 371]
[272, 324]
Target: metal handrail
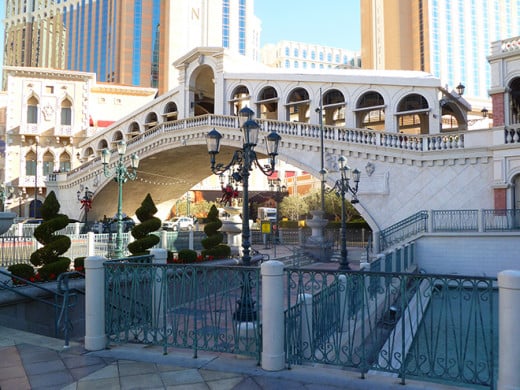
[63, 292]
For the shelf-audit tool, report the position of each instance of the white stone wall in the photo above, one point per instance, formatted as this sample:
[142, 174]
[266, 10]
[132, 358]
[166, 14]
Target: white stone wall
[472, 254]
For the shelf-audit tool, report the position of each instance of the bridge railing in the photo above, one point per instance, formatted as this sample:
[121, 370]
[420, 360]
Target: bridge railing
[450, 221]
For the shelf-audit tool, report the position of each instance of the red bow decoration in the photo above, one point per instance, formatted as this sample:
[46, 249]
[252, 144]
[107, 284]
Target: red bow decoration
[228, 194]
[86, 204]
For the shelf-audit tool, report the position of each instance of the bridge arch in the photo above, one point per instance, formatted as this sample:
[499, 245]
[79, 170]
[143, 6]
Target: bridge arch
[370, 111]
[170, 111]
[412, 114]
[298, 105]
[334, 106]
[151, 120]
[267, 102]
[240, 98]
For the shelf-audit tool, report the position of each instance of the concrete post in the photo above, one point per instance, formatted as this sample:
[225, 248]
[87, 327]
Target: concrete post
[190, 240]
[508, 330]
[273, 356]
[429, 224]
[164, 239]
[375, 242]
[95, 337]
[159, 257]
[480, 220]
[91, 247]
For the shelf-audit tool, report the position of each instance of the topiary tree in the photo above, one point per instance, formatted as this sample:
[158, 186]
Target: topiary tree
[213, 242]
[48, 257]
[141, 232]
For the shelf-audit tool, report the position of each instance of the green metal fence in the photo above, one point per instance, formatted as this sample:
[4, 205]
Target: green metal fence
[185, 306]
[433, 327]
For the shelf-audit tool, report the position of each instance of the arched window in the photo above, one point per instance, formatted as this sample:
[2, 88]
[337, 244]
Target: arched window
[170, 112]
[267, 103]
[30, 164]
[32, 110]
[412, 115]
[240, 98]
[333, 108]
[65, 162]
[48, 163]
[514, 102]
[298, 105]
[370, 111]
[66, 113]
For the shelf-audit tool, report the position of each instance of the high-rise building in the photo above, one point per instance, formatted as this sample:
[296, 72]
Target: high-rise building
[132, 42]
[448, 38]
[301, 55]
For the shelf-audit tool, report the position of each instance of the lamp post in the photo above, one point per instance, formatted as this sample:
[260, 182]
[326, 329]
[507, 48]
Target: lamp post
[241, 163]
[6, 190]
[86, 202]
[343, 187]
[121, 175]
[278, 190]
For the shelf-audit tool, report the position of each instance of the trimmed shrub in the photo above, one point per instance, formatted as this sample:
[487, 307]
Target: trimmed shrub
[212, 244]
[187, 256]
[48, 258]
[141, 232]
[24, 271]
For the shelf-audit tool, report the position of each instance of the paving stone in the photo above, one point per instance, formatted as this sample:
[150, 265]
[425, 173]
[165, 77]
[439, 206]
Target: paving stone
[142, 381]
[181, 377]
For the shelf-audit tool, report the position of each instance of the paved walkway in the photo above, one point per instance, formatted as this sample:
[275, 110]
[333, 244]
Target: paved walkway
[31, 361]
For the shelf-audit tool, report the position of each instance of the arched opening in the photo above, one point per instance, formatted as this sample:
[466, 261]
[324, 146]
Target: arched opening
[514, 101]
[267, 103]
[32, 110]
[298, 105]
[65, 165]
[412, 115]
[170, 112]
[370, 111]
[202, 91]
[48, 163]
[151, 120]
[118, 136]
[240, 98]
[133, 130]
[102, 144]
[30, 164]
[35, 207]
[333, 104]
[66, 113]
[89, 153]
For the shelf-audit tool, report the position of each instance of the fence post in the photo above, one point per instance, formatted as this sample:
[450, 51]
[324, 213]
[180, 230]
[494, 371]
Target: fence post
[159, 257]
[190, 240]
[429, 225]
[480, 221]
[508, 330]
[164, 239]
[343, 303]
[91, 244]
[307, 342]
[273, 356]
[95, 337]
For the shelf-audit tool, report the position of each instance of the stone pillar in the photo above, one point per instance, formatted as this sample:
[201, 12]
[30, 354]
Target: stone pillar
[316, 245]
[95, 337]
[164, 239]
[273, 355]
[190, 240]
[508, 330]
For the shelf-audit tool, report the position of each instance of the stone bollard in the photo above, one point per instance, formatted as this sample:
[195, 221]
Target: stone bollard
[273, 355]
[91, 244]
[158, 298]
[508, 330]
[95, 336]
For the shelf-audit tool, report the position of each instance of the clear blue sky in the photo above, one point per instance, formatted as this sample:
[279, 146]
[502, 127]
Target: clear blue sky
[334, 23]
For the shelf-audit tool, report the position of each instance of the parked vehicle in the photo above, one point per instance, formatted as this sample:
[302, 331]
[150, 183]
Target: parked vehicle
[111, 226]
[267, 214]
[178, 223]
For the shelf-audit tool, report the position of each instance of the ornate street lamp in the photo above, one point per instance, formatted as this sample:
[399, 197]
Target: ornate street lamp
[278, 190]
[241, 165]
[460, 89]
[121, 174]
[86, 202]
[6, 190]
[343, 187]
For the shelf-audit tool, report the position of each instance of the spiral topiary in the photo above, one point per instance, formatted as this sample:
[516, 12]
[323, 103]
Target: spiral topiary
[48, 257]
[213, 242]
[141, 232]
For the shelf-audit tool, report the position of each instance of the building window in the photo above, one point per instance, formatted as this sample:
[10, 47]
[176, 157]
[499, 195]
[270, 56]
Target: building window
[296, 53]
[48, 163]
[66, 113]
[32, 111]
[30, 164]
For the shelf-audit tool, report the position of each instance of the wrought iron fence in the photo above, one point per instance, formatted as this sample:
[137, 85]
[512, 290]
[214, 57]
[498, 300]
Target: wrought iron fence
[434, 327]
[404, 229]
[501, 220]
[185, 306]
[455, 220]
